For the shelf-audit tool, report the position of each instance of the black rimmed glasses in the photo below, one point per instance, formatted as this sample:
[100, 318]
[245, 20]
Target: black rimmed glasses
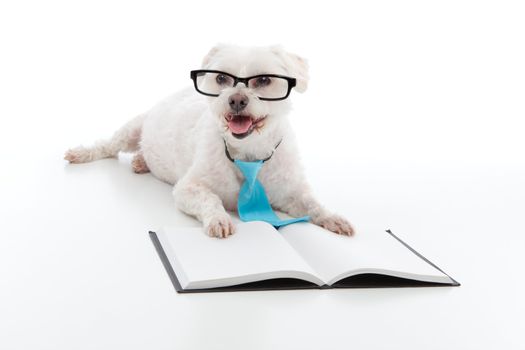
[269, 87]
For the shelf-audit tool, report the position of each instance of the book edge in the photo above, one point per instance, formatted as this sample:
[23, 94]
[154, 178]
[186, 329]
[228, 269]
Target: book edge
[165, 261]
[454, 282]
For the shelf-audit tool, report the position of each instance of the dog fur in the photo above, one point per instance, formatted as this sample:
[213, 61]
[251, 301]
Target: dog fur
[181, 141]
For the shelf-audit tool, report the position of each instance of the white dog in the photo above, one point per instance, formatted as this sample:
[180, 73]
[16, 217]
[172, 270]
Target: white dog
[183, 139]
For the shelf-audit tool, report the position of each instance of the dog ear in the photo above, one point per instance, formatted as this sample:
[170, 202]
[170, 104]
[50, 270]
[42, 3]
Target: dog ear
[209, 57]
[296, 66]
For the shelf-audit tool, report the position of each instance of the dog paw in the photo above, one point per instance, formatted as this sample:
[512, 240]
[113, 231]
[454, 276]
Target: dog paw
[335, 223]
[77, 155]
[220, 226]
[139, 164]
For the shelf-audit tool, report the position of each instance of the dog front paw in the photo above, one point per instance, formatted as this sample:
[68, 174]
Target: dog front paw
[335, 223]
[220, 226]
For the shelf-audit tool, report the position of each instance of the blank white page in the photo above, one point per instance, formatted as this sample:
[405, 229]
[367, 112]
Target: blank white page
[256, 251]
[335, 257]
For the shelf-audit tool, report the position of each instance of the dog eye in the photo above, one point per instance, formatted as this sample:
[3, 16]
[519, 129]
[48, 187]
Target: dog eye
[262, 81]
[222, 79]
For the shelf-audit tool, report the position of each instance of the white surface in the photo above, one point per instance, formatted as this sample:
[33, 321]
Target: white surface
[413, 122]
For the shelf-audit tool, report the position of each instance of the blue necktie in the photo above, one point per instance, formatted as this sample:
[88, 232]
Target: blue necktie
[253, 205]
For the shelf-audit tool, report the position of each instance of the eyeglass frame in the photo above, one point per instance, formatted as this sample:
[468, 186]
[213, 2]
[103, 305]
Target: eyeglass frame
[292, 82]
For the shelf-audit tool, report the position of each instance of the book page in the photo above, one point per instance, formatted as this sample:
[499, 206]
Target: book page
[255, 252]
[335, 257]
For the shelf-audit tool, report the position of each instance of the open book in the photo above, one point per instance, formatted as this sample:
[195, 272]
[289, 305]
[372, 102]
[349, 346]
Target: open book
[297, 256]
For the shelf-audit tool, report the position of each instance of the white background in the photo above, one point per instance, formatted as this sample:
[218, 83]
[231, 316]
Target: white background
[413, 121]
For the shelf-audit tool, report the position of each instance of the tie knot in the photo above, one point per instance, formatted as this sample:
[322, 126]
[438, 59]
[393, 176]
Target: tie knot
[250, 170]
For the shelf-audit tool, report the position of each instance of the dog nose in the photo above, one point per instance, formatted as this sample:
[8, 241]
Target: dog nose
[238, 102]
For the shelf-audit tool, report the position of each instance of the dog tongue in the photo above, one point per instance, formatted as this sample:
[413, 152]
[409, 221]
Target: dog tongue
[240, 124]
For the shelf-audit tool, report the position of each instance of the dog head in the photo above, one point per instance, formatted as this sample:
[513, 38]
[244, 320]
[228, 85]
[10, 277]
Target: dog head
[249, 110]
